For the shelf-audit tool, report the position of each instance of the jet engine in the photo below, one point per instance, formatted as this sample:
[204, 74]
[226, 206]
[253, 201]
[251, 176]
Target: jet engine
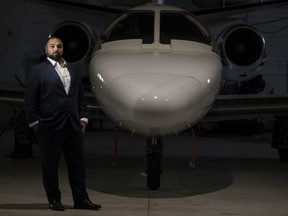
[242, 49]
[78, 40]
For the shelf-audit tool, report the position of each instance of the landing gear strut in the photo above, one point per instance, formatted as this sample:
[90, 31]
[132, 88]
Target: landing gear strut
[280, 137]
[154, 161]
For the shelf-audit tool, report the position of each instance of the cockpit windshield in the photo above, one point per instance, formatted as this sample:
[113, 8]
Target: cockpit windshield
[136, 25]
[178, 25]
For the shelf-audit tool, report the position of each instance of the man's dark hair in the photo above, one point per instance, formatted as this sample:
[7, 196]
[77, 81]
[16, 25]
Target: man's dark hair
[53, 37]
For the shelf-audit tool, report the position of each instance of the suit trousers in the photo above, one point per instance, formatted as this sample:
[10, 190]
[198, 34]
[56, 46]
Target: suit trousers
[52, 144]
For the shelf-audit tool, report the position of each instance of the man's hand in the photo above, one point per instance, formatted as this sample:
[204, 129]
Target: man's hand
[35, 127]
[83, 126]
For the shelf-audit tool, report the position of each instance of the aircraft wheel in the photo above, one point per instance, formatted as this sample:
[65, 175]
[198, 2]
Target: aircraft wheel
[154, 171]
[283, 154]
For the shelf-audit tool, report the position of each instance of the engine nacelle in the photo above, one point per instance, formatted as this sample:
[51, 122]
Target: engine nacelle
[78, 40]
[243, 52]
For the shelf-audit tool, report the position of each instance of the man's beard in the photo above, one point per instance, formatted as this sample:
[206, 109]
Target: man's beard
[55, 56]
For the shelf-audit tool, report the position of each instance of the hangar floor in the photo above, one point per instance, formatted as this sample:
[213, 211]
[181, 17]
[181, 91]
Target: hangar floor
[233, 176]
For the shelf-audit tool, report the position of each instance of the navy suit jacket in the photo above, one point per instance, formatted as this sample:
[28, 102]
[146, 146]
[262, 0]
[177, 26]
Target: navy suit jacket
[47, 102]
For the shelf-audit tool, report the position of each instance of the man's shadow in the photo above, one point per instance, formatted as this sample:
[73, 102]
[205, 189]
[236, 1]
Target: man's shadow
[29, 206]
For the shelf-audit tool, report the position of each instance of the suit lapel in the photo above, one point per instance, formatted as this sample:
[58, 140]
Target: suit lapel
[72, 77]
[54, 73]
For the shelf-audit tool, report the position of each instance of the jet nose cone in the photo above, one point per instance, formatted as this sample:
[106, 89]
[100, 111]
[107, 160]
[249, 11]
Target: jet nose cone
[156, 103]
[169, 95]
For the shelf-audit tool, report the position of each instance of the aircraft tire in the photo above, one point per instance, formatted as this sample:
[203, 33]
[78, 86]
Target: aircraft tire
[283, 154]
[154, 171]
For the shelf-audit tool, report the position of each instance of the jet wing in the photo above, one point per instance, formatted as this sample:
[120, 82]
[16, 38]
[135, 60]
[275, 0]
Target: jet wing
[15, 99]
[247, 106]
[225, 106]
[12, 98]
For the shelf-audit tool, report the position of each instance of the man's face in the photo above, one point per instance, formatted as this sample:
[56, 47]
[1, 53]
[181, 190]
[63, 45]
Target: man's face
[54, 49]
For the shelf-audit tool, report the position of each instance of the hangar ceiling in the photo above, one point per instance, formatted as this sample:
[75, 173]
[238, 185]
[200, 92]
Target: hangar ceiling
[186, 4]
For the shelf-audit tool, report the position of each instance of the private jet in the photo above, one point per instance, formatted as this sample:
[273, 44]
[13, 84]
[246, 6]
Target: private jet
[156, 70]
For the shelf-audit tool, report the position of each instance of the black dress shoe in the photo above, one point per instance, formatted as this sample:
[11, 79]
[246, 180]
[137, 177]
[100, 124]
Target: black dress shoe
[56, 205]
[87, 204]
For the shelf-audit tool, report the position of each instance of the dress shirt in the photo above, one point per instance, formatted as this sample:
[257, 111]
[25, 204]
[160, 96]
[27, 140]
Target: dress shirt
[63, 73]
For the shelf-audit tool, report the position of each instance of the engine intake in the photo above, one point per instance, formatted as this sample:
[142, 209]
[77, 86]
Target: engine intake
[243, 52]
[78, 40]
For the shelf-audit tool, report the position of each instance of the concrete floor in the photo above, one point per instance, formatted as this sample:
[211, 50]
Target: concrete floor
[233, 176]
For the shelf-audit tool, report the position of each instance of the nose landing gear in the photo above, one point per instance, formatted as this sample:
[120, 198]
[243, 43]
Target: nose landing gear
[154, 161]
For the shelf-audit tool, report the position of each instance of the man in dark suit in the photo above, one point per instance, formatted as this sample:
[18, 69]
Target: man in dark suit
[56, 108]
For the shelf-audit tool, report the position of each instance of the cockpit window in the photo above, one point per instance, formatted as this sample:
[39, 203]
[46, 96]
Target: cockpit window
[175, 25]
[136, 25]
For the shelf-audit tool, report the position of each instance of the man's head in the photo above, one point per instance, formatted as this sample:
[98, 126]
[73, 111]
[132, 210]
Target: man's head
[54, 48]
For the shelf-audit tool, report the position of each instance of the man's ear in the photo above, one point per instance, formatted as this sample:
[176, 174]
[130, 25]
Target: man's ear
[45, 50]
